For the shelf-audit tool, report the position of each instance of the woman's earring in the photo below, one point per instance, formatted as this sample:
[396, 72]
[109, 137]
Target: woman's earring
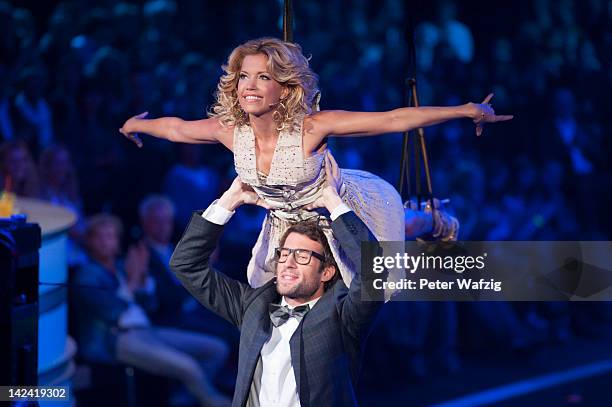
[279, 112]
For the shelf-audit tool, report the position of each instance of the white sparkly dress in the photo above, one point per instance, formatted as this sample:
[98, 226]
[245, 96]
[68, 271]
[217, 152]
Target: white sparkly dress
[295, 181]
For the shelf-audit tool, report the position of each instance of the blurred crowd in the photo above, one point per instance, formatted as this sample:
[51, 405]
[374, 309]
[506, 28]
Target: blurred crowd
[72, 72]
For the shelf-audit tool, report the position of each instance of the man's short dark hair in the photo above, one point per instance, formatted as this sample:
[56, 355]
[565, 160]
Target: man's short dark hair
[313, 231]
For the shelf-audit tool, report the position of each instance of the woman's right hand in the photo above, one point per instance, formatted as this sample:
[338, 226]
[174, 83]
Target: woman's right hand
[129, 128]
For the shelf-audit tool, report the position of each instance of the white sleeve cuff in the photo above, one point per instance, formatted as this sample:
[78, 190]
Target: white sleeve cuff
[338, 211]
[217, 214]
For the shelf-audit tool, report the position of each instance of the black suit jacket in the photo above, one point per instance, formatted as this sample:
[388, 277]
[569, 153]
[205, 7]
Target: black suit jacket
[325, 348]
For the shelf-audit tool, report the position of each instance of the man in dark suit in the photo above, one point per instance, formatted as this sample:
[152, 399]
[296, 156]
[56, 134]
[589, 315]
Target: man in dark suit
[302, 332]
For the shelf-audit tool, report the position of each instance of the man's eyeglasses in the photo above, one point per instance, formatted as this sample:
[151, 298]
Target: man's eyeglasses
[301, 256]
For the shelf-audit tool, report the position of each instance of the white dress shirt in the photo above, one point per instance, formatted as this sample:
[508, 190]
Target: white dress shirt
[274, 379]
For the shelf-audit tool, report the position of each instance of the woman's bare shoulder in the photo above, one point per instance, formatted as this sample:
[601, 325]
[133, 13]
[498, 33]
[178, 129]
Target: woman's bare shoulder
[226, 135]
[314, 131]
[315, 124]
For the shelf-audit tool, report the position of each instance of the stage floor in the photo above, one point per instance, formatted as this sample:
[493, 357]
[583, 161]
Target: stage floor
[578, 372]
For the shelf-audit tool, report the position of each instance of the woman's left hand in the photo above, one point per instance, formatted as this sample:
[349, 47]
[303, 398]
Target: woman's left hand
[484, 113]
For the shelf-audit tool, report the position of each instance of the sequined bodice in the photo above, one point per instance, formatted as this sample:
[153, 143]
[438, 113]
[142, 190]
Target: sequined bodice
[293, 181]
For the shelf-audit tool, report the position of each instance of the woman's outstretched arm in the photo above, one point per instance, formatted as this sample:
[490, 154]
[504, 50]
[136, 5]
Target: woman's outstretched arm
[343, 123]
[205, 131]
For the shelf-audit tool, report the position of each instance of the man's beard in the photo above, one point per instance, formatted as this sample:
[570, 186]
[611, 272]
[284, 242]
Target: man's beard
[302, 290]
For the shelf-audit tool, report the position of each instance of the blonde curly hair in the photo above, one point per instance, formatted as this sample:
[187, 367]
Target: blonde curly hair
[286, 64]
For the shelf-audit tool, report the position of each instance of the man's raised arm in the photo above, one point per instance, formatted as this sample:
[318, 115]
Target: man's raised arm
[191, 258]
[350, 231]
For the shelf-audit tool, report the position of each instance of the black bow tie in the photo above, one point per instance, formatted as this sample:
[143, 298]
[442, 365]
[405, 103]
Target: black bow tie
[279, 314]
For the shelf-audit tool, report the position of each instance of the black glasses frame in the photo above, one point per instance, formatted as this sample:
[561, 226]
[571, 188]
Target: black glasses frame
[310, 253]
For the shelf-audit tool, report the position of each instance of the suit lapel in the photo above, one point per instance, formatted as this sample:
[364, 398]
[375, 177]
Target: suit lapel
[262, 330]
[311, 320]
[321, 309]
[263, 327]
[295, 345]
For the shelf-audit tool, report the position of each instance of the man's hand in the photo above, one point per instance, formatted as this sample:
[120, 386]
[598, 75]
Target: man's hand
[330, 195]
[238, 194]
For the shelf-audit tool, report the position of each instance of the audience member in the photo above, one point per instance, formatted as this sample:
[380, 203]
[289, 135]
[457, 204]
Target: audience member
[175, 306]
[18, 168]
[112, 299]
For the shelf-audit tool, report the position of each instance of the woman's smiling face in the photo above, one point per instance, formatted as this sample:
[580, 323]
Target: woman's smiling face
[258, 92]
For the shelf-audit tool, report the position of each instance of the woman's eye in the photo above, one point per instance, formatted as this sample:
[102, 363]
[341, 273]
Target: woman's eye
[242, 76]
[265, 77]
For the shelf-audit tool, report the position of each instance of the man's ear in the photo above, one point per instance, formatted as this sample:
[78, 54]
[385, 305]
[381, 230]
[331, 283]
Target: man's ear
[328, 273]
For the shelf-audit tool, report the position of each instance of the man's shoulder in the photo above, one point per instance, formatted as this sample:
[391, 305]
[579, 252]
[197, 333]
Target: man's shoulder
[262, 295]
[334, 295]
